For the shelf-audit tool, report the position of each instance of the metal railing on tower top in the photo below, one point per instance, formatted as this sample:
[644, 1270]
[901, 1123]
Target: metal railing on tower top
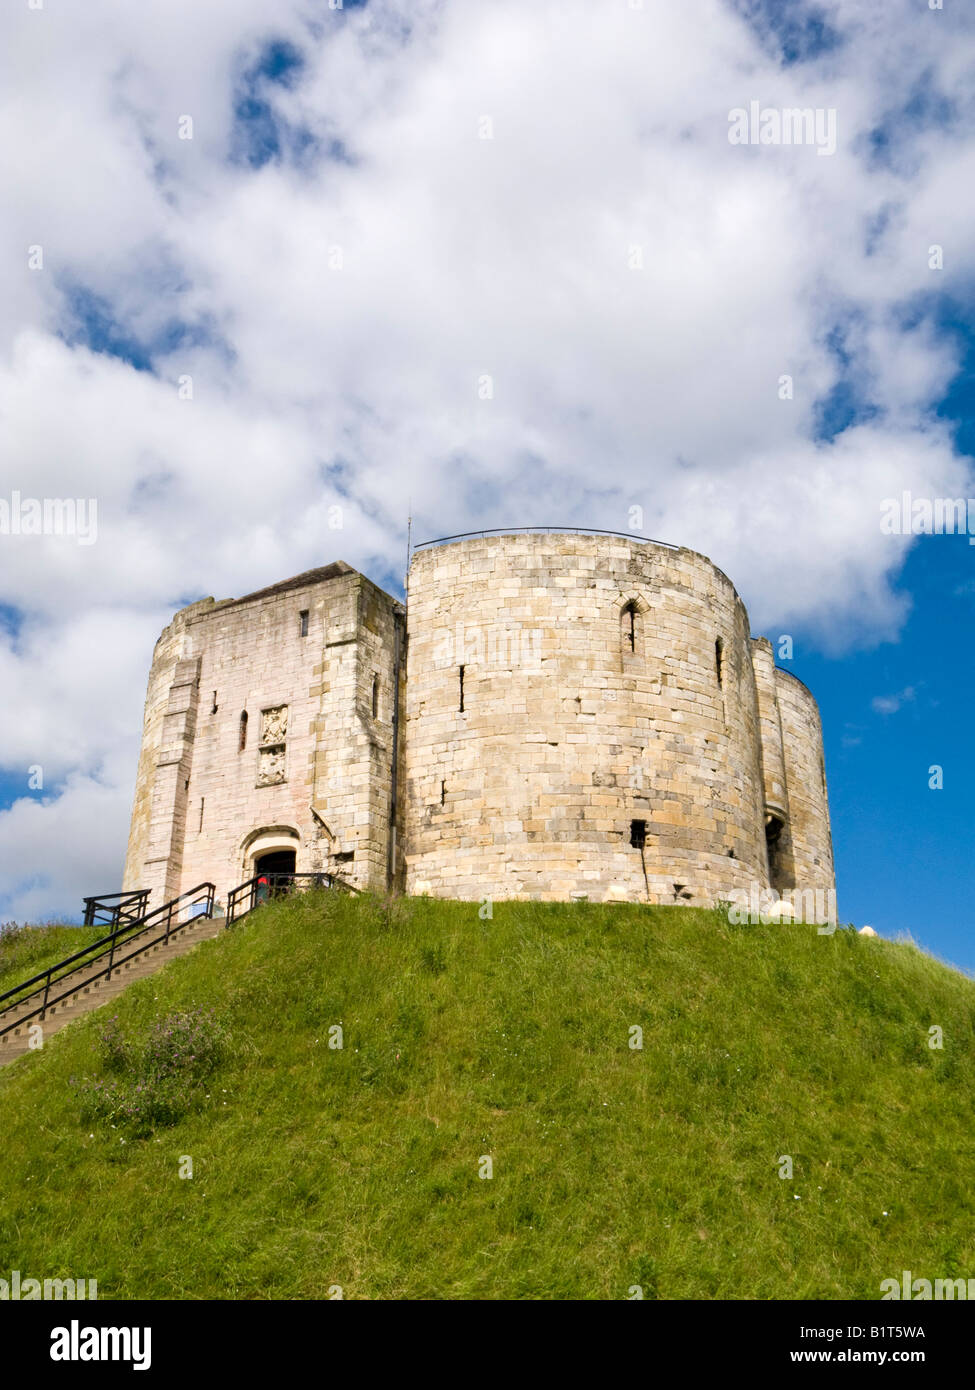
[544, 530]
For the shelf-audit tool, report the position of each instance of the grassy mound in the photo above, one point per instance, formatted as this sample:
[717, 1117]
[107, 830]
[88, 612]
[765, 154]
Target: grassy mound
[360, 1166]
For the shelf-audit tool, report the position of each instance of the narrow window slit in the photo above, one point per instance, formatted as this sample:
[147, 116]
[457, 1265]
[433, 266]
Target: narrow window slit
[776, 842]
[461, 674]
[628, 627]
[242, 739]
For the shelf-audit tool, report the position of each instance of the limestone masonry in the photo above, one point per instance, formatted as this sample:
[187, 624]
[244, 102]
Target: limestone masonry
[550, 716]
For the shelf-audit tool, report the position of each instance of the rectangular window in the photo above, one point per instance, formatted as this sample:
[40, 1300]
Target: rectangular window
[303, 623]
[638, 833]
[461, 672]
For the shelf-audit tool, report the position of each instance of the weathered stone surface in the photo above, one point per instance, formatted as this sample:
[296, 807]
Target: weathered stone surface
[270, 766]
[314, 769]
[274, 725]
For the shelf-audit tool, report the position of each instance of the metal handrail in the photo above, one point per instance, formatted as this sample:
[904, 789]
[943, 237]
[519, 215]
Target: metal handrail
[134, 932]
[248, 890]
[129, 906]
[202, 892]
[568, 530]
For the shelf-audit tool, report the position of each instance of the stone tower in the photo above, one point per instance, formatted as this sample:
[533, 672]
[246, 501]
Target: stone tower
[587, 715]
[269, 738]
[558, 716]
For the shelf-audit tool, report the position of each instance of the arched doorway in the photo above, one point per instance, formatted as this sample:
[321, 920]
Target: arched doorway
[265, 842]
[275, 861]
[270, 852]
[275, 873]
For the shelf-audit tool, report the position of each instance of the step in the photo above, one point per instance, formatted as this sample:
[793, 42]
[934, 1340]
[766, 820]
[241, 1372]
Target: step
[89, 996]
[80, 978]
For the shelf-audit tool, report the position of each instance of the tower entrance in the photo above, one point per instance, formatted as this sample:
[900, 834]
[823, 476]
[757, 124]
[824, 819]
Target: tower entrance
[275, 871]
[273, 849]
[276, 861]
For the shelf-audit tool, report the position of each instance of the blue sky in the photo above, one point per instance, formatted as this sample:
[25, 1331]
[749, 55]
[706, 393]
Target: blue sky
[290, 317]
[903, 851]
[904, 848]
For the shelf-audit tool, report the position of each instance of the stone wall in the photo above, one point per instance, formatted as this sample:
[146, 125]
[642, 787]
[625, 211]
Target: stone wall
[151, 833]
[777, 816]
[605, 681]
[802, 742]
[314, 768]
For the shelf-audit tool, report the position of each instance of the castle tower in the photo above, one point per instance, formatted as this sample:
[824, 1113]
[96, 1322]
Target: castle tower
[584, 718]
[268, 738]
[567, 715]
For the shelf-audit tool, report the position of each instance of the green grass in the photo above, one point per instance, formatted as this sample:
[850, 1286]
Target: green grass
[613, 1167]
[26, 951]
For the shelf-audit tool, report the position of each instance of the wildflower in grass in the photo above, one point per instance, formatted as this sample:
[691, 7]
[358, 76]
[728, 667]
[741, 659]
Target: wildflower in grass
[159, 1079]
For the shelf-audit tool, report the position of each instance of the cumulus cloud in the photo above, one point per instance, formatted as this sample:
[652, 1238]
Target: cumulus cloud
[58, 849]
[488, 264]
[890, 704]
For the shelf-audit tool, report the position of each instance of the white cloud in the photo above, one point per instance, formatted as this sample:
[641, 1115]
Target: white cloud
[57, 850]
[890, 704]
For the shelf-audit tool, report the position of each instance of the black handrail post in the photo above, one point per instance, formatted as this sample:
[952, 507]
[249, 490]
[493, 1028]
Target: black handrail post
[111, 955]
[47, 991]
[114, 908]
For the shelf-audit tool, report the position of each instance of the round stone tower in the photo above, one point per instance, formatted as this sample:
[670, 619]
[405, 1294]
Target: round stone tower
[583, 719]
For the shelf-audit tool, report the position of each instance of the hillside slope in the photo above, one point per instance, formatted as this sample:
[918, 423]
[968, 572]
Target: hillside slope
[358, 1167]
[26, 951]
